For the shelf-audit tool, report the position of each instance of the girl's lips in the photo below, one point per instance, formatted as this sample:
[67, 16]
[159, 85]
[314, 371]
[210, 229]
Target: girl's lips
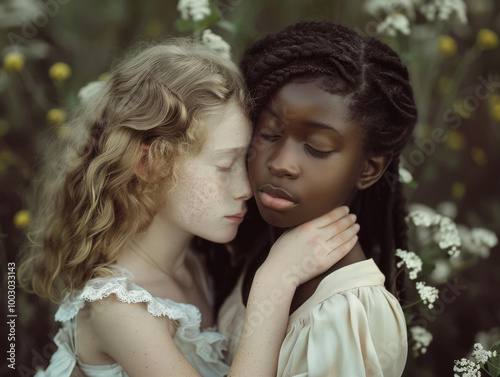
[278, 204]
[236, 219]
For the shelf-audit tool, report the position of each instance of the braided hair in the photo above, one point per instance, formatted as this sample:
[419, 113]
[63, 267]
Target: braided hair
[381, 101]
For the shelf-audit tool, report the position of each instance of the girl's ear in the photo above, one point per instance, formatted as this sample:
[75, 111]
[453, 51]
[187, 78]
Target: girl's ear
[374, 167]
[141, 169]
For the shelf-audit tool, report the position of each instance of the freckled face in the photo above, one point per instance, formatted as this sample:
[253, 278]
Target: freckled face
[306, 156]
[209, 199]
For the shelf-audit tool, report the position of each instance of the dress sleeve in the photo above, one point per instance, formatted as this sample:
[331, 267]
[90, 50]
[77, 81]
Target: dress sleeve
[360, 332]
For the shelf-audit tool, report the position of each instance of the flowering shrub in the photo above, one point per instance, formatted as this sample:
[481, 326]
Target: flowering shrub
[427, 33]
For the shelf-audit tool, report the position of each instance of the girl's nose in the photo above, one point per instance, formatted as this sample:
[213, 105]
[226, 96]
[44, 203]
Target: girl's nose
[282, 162]
[243, 189]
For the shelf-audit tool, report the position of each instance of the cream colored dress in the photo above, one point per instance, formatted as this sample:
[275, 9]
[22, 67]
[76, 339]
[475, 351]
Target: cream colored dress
[202, 348]
[350, 327]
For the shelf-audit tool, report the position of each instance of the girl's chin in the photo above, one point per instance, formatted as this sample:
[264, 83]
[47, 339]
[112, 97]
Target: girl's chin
[279, 219]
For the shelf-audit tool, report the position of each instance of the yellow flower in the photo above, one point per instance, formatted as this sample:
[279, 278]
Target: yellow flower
[460, 108]
[487, 39]
[104, 76]
[13, 62]
[154, 29]
[478, 156]
[22, 219]
[458, 190]
[56, 116]
[63, 132]
[446, 86]
[5, 155]
[495, 111]
[60, 71]
[447, 45]
[455, 140]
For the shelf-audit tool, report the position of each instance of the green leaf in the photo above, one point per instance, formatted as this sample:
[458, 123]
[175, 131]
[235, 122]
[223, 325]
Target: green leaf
[413, 184]
[493, 364]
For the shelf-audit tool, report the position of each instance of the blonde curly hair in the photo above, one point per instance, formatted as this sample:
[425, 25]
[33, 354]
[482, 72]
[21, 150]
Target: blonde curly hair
[149, 113]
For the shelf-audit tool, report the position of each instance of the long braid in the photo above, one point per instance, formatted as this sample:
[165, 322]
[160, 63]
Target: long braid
[376, 84]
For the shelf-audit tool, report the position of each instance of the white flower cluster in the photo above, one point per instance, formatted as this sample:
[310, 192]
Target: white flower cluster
[467, 367]
[443, 10]
[404, 175]
[393, 24]
[216, 43]
[421, 337]
[195, 9]
[427, 293]
[424, 218]
[411, 260]
[376, 7]
[478, 241]
[481, 355]
[447, 236]
[398, 13]
[470, 368]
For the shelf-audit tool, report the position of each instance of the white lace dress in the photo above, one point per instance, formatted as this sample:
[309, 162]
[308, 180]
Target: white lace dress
[202, 348]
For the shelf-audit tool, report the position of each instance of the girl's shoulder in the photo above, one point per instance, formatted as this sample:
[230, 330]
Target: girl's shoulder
[356, 285]
[120, 287]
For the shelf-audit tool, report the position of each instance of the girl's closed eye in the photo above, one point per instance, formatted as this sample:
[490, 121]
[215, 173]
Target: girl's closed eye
[316, 152]
[225, 169]
[268, 135]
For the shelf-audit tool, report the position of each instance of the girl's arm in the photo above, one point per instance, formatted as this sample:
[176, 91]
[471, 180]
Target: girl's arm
[143, 344]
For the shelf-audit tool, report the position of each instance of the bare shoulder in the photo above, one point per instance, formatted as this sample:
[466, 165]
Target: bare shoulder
[110, 311]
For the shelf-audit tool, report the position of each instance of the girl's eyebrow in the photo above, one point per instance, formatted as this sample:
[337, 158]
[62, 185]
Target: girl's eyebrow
[323, 126]
[319, 125]
[228, 151]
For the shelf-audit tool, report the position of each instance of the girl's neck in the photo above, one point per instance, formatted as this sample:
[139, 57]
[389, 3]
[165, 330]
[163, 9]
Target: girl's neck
[165, 244]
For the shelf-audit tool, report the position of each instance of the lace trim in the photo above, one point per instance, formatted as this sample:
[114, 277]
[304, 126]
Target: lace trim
[100, 288]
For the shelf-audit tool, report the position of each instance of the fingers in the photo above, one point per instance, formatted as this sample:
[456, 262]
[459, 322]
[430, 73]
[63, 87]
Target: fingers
[341, 251]
[338, 244]
[330, 217]
[332, 229]
[342, 237]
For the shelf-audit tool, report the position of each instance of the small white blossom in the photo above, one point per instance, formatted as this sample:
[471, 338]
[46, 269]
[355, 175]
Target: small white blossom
[467, 367]
[478, 241]
[427, 293]
[448, 209]
[404, 175]
[411, 260]
[481, 355]
[90, 90]
[423, 218]
[448, 236]
[195, 9]
[377, 7]
[421, 337]
[441, 272]
[488, 338]
[216, 43]
[393, 24]
[443, 10]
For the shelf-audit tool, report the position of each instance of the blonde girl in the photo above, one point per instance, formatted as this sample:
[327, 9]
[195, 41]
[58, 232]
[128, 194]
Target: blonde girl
[157, 158]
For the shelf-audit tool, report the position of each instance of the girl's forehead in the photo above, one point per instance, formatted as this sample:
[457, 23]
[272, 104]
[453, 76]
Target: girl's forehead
[293, 97]
[226, 131]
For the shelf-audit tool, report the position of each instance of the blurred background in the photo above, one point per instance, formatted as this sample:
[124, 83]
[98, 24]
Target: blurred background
[51, 49]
